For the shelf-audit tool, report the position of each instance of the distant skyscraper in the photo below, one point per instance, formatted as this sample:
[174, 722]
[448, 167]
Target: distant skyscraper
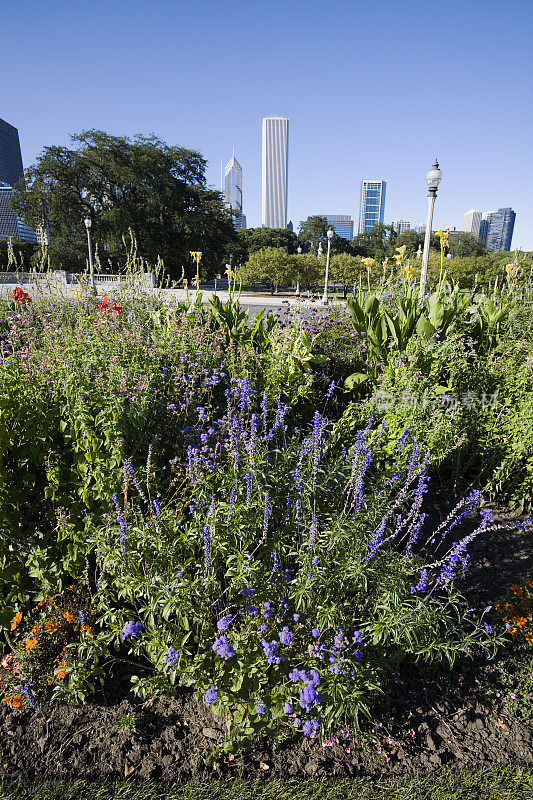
[11, 172]
[232, 190]
[275, 171]
[372, 204]
[496, 229]
[342, 224]
[472, 222]
[401, 225]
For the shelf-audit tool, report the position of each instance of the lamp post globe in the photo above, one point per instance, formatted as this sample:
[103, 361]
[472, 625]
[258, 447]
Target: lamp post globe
[330, 235]
[88, 222]
[433, 178]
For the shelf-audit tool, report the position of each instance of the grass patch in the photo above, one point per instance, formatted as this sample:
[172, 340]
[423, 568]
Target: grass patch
[491, 783]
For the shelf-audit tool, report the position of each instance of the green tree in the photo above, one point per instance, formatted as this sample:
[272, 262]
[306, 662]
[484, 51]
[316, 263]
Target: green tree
[250, 240]
[376, 243]
[156, 191]
[411, 239]
[306, 270]
[345, 269]
[313, 231]
[16, 255]
[272, 265]
[466, 244]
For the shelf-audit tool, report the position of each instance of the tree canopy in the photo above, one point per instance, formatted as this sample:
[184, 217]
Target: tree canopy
[253, 239]
[155, 190]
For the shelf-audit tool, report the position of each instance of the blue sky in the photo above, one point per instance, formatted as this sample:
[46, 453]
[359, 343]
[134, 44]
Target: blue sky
[372, 89]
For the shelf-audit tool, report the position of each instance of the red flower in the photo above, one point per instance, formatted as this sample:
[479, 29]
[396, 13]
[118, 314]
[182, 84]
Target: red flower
[103, 306]
[21, 297]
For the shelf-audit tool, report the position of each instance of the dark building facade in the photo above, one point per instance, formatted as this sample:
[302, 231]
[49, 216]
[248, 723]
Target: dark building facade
[11, 169]
[496, 230]
[11, 172]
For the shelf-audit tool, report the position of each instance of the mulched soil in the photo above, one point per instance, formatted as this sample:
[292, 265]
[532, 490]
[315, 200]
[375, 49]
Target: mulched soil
[433, 719]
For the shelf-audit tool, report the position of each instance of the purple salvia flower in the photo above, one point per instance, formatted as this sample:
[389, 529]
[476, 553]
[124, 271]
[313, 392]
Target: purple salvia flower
[157, 506]
[329, 393]
[233, 495]
[248, 489]
[29, 694]
[313, 530]
[414, 533]
[422, 583]
[206, 536]
[266, 516]
[211, 695]
[264, 408]
[376, 540]
[129, 469]
[171, 657]
[245, 393]
[131, 629]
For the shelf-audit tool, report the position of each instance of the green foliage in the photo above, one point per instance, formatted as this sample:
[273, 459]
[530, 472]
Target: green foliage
[253, 239]
[16, 255]
[155, 190]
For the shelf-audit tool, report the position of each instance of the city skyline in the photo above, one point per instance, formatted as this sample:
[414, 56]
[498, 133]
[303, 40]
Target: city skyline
[334, 142]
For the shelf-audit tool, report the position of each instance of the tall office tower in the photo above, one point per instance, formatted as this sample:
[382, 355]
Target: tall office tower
[11, 172]
[11, 169]
[342, 224]
[497, 229]
[232, 190]
[472, 222]
[372, 204]
[401, 225]
[275, 172]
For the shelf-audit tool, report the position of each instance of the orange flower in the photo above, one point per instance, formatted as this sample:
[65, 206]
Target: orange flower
[515, 589]
[86, 628]
[50, 626]
[30, 643]
[530, 584]
[36, 629]
[513, 630]
[529, 637]
[61, 674]
[17, 701]
[69, 616]
[5, 701]
[520, 621]
[16, 619]
[525, 606]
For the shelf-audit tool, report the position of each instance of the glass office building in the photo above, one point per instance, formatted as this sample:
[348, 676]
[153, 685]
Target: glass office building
[232, 190]
[342, 224]
[496, 229]
[11, 172]
[275, 163]
[372, 204]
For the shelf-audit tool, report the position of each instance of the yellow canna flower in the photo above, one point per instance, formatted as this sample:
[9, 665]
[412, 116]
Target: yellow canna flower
[401, 250]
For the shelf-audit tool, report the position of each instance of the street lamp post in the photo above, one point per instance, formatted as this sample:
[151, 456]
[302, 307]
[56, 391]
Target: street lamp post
[88, 223]
[297, 292]
[434, 177]
[325, 295]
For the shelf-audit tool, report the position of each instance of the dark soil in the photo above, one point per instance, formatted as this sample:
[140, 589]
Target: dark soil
[432, 719]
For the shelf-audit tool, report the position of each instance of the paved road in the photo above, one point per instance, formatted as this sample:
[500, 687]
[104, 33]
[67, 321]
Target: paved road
[255, 303]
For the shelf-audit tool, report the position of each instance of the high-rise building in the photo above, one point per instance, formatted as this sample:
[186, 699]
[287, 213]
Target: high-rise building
[232, 190]
[472, 222]
[11, 172]
[496, 229]
[275, 172]
[372, 204]
[401, 225]
[342, 224]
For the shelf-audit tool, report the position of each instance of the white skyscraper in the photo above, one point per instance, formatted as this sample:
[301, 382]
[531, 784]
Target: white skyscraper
[472, 222]
[275, 171]
[232, 190]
